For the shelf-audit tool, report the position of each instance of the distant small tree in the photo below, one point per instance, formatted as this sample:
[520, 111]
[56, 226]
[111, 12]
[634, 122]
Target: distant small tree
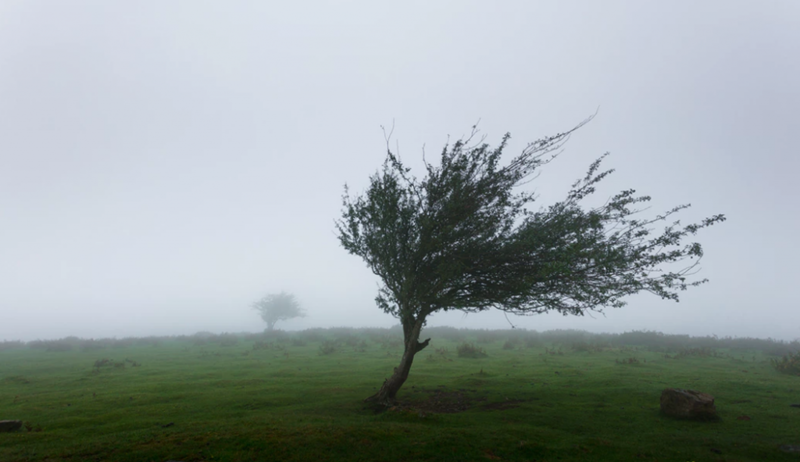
[465, 238]
[278, 307]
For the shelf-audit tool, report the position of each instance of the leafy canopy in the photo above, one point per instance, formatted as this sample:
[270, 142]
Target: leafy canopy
[278, 307]
[464, 237]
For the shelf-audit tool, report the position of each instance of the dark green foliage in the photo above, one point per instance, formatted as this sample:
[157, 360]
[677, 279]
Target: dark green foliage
[468, 350]
[464, 238]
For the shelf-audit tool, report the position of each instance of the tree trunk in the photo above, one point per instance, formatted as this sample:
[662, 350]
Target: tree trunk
[387, 394]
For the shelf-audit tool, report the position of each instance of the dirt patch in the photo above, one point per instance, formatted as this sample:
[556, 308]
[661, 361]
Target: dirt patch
[502, 405]
[442, 401]
[445, 402]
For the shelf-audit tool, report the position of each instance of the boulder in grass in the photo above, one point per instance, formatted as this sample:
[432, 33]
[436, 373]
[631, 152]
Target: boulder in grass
[10, 425]
[688, 404]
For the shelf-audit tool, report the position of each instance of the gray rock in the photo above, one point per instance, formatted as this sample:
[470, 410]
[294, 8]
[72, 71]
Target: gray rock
[790, 448]
[688, 404]
[10, 425]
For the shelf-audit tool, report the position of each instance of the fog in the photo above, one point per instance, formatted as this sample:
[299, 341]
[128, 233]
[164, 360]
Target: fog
[165, 164]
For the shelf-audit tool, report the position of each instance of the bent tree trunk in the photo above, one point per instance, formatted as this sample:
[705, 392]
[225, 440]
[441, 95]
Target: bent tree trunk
[388, 392]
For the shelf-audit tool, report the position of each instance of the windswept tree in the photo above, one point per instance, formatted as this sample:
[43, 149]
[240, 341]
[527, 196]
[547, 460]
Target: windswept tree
[465, 238]
[278, 307]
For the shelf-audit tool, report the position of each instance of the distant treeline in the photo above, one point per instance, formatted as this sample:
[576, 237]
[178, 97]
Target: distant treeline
[392, 338]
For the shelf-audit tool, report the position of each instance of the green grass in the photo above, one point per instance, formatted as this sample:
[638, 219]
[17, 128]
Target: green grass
[234, 403]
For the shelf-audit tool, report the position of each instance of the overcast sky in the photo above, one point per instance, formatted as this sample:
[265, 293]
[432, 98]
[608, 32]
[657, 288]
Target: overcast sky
[165, 164]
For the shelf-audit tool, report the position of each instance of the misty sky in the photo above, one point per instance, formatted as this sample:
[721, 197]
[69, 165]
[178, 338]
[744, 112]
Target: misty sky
[165, 164]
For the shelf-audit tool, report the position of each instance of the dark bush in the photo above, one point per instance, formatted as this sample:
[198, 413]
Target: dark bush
[467, 350]
[789, 364]
[328, 347]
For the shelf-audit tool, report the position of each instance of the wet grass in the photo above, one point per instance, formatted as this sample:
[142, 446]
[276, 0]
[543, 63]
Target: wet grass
[294, 399]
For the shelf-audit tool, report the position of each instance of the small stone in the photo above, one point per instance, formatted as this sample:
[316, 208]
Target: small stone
[688, 404]
[790, 448]
[10, 425]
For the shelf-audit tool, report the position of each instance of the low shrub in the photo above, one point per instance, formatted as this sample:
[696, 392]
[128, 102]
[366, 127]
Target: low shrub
[468, 350]
[327, 348]
[789, 364]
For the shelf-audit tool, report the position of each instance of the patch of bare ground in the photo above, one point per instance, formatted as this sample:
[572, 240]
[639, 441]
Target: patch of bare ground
[443, 401]
[440, 401]
[502, 405]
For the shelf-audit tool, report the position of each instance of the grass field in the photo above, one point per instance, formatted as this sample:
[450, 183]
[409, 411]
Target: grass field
[558, 396]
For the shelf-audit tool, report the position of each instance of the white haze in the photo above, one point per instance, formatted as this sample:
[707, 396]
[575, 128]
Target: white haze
[165, 164]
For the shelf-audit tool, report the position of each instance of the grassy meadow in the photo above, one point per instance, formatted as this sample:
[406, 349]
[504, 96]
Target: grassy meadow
[522, 396]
